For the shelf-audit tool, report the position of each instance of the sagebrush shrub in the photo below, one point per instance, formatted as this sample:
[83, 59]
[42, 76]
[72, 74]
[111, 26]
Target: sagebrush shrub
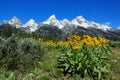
[17, 53]
[2, 44]
[114, 43]
[30, 50]
[9, 54]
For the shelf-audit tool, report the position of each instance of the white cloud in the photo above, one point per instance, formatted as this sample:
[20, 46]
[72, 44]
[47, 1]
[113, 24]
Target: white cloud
[107, 23]
[118, 27]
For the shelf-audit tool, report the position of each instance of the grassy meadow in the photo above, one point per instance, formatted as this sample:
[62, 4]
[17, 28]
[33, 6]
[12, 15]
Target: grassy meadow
[75, 58]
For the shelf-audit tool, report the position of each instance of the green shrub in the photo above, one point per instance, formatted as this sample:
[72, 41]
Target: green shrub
[9, 54]
[29, 46]
[31, 52]
[2, 44]
[18, 53]
[114, 43]
[7, 75]
[92, 62]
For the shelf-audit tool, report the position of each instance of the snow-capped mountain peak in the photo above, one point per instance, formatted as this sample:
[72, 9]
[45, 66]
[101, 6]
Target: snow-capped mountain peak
[31, 22]
[53, 21]
[80, 21]
[15, 22]
[65, 22]
[52, 17]
[80, 18]
[32, 25]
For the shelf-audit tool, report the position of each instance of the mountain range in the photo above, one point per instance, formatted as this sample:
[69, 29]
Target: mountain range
[53, 26]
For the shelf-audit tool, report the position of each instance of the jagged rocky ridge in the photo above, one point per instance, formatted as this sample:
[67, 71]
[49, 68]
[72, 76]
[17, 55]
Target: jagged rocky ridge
[54, 27]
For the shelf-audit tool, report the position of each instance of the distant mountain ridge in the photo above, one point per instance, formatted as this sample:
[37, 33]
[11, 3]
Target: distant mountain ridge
[78, 21]
[78, 25]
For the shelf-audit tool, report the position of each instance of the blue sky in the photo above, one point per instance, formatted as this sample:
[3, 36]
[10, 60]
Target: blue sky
[100, 11]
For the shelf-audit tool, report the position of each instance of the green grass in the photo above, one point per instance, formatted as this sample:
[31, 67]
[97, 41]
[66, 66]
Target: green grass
[116, 62]
[48, 65]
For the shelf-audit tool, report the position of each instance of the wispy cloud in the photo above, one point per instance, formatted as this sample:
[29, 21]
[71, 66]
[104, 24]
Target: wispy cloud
[107, 23]
[118, 27]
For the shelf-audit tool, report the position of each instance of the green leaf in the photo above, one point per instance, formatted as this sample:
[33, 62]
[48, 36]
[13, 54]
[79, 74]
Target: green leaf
[79, 66]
